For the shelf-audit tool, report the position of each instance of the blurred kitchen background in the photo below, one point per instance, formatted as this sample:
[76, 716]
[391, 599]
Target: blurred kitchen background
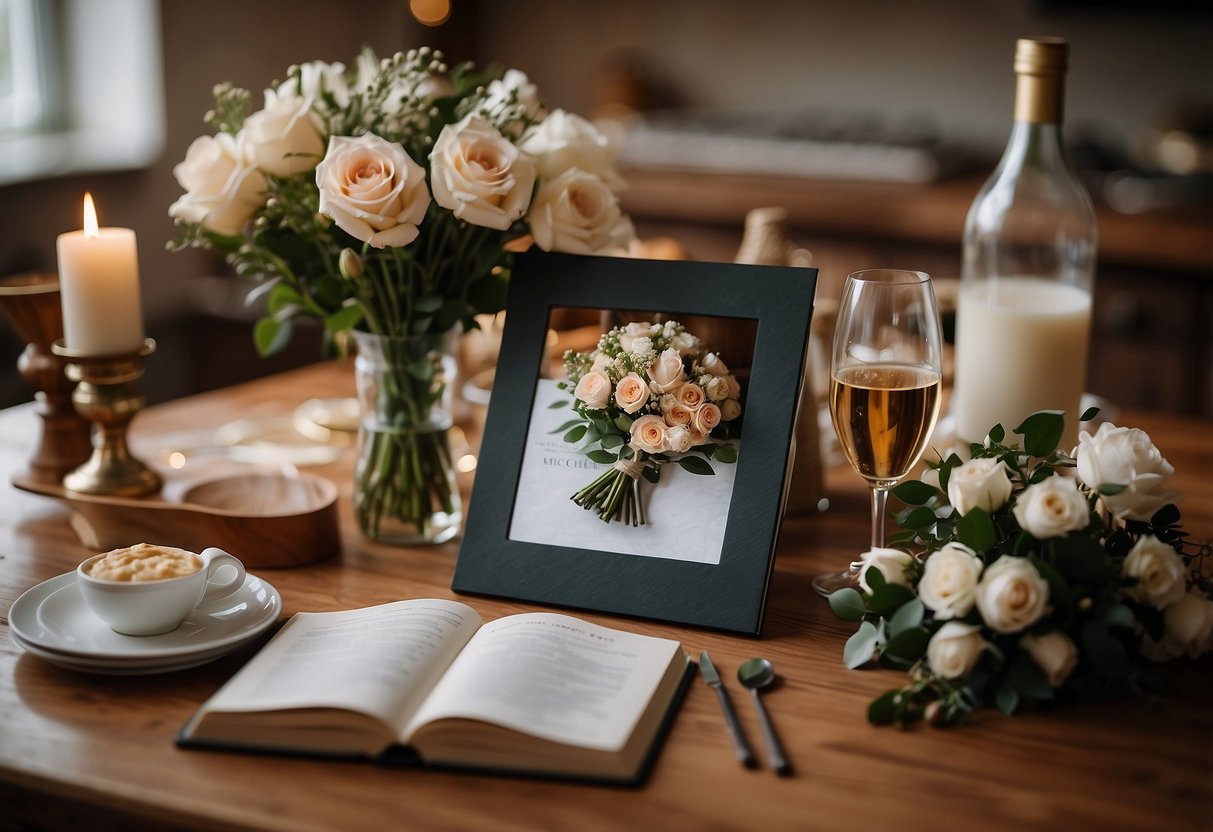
[872, 123]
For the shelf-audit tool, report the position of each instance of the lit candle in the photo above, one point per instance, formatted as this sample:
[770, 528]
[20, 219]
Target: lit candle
[99, 288]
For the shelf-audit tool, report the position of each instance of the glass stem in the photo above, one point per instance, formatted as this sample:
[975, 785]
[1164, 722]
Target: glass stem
[880, 497]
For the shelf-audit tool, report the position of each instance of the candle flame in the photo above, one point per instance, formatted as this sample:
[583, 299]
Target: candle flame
[90, 216]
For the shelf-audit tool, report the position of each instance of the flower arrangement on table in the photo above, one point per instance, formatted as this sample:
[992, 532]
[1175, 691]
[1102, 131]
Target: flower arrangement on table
[1033, 585]
[382, 199]
[647, 395]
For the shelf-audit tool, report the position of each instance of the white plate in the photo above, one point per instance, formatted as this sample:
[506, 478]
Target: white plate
[127, 667]
[52, 618]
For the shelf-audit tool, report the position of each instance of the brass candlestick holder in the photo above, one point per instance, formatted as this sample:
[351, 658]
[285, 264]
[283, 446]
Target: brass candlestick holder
[106, 395]
[31, 302]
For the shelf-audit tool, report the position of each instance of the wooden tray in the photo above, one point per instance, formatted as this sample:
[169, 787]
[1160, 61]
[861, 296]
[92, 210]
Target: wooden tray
[266, 520]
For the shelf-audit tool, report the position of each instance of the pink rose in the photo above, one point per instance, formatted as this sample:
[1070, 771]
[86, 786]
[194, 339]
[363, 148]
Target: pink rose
[690, 395]
[594, 389]
[679, 415]
[648, 434]
[707, 417]
[730, 409]
[679, 439]
[631, 393]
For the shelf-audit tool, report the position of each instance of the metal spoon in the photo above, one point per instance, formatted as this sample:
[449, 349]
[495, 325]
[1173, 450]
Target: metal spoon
[755, 674]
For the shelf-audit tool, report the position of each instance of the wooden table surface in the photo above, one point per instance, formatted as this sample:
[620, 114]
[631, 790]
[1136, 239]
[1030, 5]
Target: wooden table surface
[96, 752]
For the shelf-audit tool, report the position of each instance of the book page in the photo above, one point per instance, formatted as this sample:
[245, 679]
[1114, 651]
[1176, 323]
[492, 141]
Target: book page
[552, 676]
[379, 660]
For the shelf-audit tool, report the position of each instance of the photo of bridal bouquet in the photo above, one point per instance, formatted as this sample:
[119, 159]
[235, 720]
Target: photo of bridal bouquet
[386, 198]
[1043, 576]
[647, 395]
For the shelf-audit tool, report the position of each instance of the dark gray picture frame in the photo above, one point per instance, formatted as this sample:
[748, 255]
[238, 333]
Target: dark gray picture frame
[730, 595]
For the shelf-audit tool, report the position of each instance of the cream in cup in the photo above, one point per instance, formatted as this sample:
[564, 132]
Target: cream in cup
[145, 589]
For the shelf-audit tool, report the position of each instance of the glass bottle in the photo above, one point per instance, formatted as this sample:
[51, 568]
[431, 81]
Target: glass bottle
[1024, 310]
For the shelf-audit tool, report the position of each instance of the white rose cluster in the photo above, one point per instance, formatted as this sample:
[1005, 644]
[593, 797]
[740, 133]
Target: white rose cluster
[1125, 457]
[506, 161]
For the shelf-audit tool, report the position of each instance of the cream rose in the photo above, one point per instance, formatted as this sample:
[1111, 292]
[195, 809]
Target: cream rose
[284, 137]
[1189, 623]
[707, 417]
[954, 649]
[372, 190]
[1011, 595]
[717, 389]
[594, 388]
[713, 365]
[636, 329]
[1125, 456]
[577, 213]
[679, 439]
[685, 343]
[1159, 571]
[949, 581]
[514, 93]
[223, 187]
[979, 483]
[666, 374]
[631, 393]
[730, 409]
[601, 361]
[316, 79]
[1054, 653]
[479, 175]
[1051, 508]
[648, 434]
[892, 564]
[563, 141]
[690, 395]
[642, 345]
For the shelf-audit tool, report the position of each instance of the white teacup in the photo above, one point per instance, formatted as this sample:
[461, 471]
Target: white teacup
[145, 590]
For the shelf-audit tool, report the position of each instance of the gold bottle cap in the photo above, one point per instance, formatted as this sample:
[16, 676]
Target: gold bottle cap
[1040, 67]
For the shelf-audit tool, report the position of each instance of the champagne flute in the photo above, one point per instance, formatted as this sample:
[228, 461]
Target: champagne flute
[884, 385]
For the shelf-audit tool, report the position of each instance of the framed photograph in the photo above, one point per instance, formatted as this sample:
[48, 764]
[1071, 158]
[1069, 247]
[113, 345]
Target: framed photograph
[636, 449]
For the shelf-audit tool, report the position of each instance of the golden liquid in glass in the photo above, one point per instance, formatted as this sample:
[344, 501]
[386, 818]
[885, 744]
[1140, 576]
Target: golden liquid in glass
[884, 415]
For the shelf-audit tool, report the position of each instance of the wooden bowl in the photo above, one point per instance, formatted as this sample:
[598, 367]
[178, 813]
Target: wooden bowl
[266, 520]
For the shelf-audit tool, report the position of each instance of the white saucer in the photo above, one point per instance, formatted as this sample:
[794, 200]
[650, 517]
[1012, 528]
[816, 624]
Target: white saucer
[51, 621]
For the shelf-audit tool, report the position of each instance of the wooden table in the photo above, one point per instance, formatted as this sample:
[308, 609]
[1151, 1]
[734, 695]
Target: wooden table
[95, 752]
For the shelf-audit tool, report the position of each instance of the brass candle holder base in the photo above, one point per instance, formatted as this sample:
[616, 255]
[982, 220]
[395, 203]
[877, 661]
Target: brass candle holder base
[106, 395]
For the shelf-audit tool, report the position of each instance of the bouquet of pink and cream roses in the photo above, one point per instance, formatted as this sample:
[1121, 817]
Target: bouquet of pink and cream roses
[1033, 584]
[649, 394]
[382, 198]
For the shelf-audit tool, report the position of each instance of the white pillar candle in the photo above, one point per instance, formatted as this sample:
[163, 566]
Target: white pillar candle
[99, 288]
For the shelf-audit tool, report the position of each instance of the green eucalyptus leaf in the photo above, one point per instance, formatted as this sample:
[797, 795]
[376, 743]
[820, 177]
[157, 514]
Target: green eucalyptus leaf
[914, 492]
[847, 604]
[652, 473]
[1089, 414]
[612, 440]
[569, 424]
[874, 577]
[281, 295]
[1041, 432]
[997, 434]
[921, 518]
[909, 615]
[556, 405]
[602, 457]
[726, 454]
[909, 645]
[624, 423]
[696, 465]
[345, 318]
[886, 599]
[976, 530]
[1109, 488]
[861, 647]
[576, 433]
[1119, 615]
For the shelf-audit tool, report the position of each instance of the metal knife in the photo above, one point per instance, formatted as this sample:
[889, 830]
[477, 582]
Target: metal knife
[745, 755]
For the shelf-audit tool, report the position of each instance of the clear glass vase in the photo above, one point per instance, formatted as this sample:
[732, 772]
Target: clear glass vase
[405, 490]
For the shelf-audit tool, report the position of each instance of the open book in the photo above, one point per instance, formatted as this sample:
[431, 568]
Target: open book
[425, 681]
